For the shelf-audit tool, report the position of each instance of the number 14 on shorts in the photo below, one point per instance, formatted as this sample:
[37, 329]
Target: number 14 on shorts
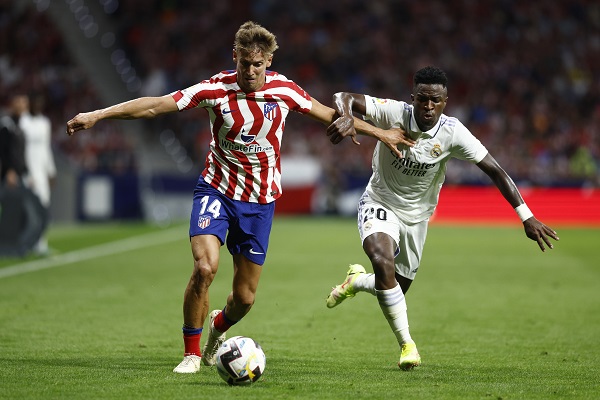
[214, 209]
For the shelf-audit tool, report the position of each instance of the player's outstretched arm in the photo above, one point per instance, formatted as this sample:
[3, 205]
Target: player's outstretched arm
[143, 107]
[534, 229]
[329, 117]
[345, 104]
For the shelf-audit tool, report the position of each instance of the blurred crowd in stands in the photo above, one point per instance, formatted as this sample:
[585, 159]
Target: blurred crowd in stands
[35, 59]
[524, 77]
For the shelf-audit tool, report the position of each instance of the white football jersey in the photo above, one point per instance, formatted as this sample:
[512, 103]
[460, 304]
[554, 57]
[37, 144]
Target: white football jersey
[411, 185]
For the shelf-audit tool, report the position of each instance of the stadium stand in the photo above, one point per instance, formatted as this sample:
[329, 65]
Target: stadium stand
[524, 76]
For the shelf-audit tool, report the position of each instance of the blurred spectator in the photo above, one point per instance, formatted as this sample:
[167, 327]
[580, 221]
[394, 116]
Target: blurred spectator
[12, 144]
[20, 221]
[38, 157]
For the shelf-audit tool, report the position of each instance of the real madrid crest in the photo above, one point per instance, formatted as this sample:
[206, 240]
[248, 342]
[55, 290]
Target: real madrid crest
[436, 151]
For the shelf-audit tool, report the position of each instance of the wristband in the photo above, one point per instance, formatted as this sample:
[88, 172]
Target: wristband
[523, 212]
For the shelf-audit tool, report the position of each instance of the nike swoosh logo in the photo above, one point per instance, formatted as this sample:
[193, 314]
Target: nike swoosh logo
[226, 111]
[248, 138]
[255, 252]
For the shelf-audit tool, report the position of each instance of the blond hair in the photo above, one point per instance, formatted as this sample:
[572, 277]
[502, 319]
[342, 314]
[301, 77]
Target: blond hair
[252, 37]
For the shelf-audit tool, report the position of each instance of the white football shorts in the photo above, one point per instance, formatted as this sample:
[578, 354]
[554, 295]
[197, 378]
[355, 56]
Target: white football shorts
[374, 217]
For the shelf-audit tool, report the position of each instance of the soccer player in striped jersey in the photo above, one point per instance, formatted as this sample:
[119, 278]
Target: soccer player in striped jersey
[402, 194]
[235, 195]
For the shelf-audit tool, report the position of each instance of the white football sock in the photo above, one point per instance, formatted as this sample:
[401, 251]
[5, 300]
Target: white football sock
[365, 283]
[393, 305]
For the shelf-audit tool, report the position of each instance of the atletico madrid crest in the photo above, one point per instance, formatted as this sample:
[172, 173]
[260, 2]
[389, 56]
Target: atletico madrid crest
[203, 221]
[271, 111]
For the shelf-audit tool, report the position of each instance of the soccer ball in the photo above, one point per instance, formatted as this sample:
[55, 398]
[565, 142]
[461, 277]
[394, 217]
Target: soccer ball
[240, 361]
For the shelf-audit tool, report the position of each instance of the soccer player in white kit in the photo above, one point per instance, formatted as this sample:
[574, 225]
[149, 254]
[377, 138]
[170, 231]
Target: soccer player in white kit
[402, 194]
[234, 198]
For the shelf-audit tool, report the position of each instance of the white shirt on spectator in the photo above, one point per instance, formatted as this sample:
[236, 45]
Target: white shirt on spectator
[38, 154]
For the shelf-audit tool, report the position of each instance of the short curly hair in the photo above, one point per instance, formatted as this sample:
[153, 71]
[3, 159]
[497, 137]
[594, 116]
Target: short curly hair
[252, 37]
[430, 75]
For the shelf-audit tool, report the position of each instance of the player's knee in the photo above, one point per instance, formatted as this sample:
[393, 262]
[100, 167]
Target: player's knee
[203, 271]
[384, 269]
[382, 265]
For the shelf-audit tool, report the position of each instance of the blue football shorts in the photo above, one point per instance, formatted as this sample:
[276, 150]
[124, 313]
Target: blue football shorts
[245, 227]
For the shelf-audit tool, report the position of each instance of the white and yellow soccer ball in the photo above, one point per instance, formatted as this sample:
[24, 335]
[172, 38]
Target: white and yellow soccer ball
[240, 361]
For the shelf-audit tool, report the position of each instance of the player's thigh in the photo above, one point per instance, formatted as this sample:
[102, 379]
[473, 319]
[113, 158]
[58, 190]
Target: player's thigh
[206, 252]
[380, 245]
[410, 248]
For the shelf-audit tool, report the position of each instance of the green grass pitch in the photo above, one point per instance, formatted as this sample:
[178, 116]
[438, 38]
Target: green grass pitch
[494, 318]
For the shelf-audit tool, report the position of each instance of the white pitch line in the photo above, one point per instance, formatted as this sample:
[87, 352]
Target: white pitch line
[111, 248]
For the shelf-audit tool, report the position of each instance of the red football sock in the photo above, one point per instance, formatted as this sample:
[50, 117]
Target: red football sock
[191, 340]
[222, 323]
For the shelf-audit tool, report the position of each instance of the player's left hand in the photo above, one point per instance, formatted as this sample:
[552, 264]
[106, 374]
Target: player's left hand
[341, 128]
[537, 231]
[395, 139]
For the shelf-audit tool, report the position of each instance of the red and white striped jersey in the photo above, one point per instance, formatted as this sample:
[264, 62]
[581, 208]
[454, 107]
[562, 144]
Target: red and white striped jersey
[243, 161]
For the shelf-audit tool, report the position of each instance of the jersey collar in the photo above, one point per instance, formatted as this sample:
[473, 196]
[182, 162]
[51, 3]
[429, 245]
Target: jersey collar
[414, 128]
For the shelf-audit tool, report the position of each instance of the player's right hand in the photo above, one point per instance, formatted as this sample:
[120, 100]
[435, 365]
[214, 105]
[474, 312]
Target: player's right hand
[341, 128]
[80, 122]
